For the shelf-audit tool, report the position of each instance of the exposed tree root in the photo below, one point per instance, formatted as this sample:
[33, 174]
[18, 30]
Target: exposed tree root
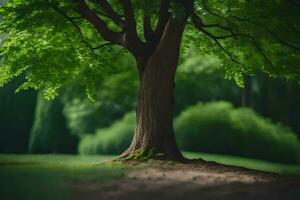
[151, 154]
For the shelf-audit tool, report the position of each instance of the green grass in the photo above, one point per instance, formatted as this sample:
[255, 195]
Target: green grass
[285, 169]
[48, 177]
[54, 160]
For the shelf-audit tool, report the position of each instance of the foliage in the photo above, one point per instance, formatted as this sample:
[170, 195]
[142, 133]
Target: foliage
[52, 44]
[251, 35]
[35, 32]
[201, 78]
[113, 99]
[213, 127]
[49, 41]
[49, 133]
[219, 128]
[111, 140]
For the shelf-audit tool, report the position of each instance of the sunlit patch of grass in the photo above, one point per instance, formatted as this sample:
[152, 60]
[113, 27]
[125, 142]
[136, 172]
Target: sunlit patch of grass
[286, 169]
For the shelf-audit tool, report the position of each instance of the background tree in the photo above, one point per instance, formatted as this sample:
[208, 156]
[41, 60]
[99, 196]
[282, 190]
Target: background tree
[49, 133]
[55, 42]
[247, 91]
[15, 128]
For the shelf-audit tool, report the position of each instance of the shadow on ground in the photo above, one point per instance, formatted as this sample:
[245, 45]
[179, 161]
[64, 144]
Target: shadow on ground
[189, 182]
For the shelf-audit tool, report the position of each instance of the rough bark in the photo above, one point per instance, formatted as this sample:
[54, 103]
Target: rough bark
[154, 133]
[246, 97]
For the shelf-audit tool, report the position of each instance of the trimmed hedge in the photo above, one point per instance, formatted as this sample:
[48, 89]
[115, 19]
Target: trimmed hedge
[218, 127]
[215, 127]
[112, 140]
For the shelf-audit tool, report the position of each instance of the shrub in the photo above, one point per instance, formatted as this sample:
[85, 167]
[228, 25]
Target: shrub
[220, 128]
[112, 140]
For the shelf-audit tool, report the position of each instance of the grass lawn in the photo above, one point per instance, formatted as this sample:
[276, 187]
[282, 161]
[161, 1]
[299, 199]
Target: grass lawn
[31, 177]
[35, 177]
[262, 165]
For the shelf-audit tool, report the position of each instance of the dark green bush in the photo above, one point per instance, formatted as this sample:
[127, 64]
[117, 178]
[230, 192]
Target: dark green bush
[112, 140]
[220, 128]
[213, 127]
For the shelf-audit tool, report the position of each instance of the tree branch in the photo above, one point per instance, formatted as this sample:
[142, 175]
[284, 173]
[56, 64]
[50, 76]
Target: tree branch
[254, 42]
[163, 17]
[196, 20]
[213, 13]
[71, 20]
[223, 48]
[132, 41]
[130, 22]
[99, 24]
[276, 37]
[111, 13]
[148, 32]
[101, 45]
[200, 26]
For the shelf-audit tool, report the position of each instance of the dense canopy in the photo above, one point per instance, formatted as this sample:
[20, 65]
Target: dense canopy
[57, 42]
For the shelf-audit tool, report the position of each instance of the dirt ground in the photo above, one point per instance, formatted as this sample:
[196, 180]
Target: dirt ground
[201, 181]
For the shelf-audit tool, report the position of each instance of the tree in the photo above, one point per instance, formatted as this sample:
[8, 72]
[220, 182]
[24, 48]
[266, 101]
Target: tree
[246, 96]
[56, 42]
[49, 133]
[15, 128]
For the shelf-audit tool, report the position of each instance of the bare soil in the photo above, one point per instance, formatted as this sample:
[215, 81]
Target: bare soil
[200, 180]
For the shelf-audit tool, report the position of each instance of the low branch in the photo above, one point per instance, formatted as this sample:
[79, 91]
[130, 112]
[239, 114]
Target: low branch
[102, 45]
[223, 48]
[130, 22]
[274, 36]
[232, 34]
[71, 20]
[163, 17]
[213, 13]
[253, 40]
[111, 13]
[148, 32]
[132, 41]
[196, 20]
[200, 26]
[99, 24]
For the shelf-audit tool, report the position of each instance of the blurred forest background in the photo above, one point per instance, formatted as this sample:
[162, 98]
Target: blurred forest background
[211, 114]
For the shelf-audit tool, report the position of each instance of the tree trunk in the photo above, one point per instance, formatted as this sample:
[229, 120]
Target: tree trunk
[246, 98]
[154, 135]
